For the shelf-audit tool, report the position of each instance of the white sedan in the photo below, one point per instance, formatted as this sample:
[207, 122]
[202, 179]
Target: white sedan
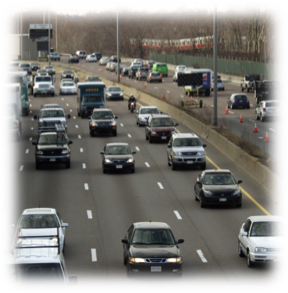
[41, 222]
[260, 239]
[68, 87]
[91, 58]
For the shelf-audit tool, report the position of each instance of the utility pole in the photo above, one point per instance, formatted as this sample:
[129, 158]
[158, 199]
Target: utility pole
[49, 43]
[56, 31]
[118, 53]
[215, 66]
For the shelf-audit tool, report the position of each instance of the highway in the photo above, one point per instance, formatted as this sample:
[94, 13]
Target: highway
[101, 207]
[174, 94]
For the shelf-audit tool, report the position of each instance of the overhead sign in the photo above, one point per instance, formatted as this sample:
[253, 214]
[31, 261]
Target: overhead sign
[40, 26]
[38, 30]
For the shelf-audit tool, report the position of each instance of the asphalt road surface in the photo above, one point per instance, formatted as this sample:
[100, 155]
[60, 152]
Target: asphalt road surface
[173, 93]
[101, 207]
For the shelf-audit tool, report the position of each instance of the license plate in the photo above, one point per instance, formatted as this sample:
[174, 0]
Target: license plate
[164, 137]
[119, 166]
[52, 160]
[240, 101]
[189, 162]
[156, 269]
[223, 199]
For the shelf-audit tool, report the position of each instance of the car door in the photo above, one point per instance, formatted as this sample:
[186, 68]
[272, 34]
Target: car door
[198, 186]
[148, 126]
[245, 239]
[128, 236]
[169, 149]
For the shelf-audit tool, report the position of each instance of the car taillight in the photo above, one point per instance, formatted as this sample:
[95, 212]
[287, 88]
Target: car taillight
[249, 83]
[264, 109]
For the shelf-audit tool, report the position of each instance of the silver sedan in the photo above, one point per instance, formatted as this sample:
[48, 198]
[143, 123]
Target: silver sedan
[68, 87]
[144, 112]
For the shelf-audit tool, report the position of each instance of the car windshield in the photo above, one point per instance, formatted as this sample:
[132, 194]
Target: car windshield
[266, 229]
[159, 122]
[38, 272]
[219, 179]
[102, 115]
[49, 139]
[153, 236]
[273, 104]
[149, 111]
[42, 78]
[93, 78]
[184, 142]
[51, 113]
[67, 72]
[25, 65]
[118, 150]
[67, 84]
[39, 221]
[91, 99]
[34, 64]
[114, 89]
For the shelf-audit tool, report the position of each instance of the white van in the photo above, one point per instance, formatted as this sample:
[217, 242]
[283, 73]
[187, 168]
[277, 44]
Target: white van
[81, 54]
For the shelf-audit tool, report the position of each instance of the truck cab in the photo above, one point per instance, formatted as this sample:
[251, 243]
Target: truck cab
[39, 260]
[43, 85]
[90, 95]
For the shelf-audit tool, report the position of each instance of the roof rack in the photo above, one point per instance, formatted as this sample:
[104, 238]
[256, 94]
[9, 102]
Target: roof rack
[49, 241]
[59, 127]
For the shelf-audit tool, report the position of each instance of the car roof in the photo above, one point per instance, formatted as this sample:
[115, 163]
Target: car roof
[151, 225]
[101, 109]
[160, 116]
[265, 218]
[217, 171]
[185, 135]
[33, 211]
[148, 107]
[117, 143]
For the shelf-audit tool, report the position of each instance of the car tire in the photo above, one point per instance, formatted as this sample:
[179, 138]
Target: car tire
[91, 133]
[169, 164]
[150, 139]
[174, 167]
[133, 170]
[202, 205]
[262, 118]
[196, 198]
[249, 262]
[34, 95]
[68, 165]
[238, 205]
[114, 133]
[240, 252]
[104, 171]
[203, 166]
[146, 136]
[124, 260]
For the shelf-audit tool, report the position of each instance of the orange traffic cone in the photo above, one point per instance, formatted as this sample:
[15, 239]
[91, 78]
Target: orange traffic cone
[100, 70]
[226, 112]
[241, 120]
[267, 138]
[191, 101]
[78, 64]
[145, 85]
[120, 77]
[255, 128]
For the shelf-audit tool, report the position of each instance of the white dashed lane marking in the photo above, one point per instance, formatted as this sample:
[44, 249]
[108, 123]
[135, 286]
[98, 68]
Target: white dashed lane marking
[86, 186]
[177, 215]
[200, 253]
[84, 166]
[93, 254]
[160, 185]
[89, 214]
[147, 164]
[137, 149]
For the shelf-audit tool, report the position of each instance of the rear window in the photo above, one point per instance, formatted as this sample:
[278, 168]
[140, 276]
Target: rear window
[240, 97]
[273, 104]
[159, 122]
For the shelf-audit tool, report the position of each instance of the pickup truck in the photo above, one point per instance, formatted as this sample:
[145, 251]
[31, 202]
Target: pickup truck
[42, 85]
[54, 56]
[249, 82]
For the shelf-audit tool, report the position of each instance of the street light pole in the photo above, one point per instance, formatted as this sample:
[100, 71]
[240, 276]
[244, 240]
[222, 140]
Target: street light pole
[215, 67]
[49, 44]
[118, 53]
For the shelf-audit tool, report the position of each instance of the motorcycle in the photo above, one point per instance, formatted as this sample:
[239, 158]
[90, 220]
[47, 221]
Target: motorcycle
[132, 106]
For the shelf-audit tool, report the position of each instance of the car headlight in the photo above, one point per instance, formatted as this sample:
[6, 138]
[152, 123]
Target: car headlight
[153, 132]
[113, 123]
[39, 153]
[109, 95]
[65, 152]
[176, 154]
[172, 132]
[136, 259]
[236, 192]
[174, 259]
[107, 161]
[142, 118]
[202, 153]
[130, 161]
[94, 124]
[207, 193]
[261, 249]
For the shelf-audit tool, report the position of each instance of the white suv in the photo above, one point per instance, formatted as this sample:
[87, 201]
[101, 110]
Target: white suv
[260, 239]
[186, 149]
[268, 109]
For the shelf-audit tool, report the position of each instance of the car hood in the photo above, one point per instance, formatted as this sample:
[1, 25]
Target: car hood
[267, 242]
[188, 149]
[144, 115]
[73, 87]
[146, 251]
[119, 157]
[38, 232]
[114, 93]
[56, 119]
[52, 146]
[221, 188]
[164, 129]
[41, 83]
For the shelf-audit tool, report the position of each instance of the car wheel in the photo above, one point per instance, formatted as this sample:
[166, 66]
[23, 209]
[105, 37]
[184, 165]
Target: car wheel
[104, 171]
[82, 115]
[146, 136]
[91, 134]
[133, 170]
[240, 252]
[169, 164]
[257, 117]
[115, 133]
[124, 260]
[203, 166]
[174, 167]
[202, 205]
[34, 95]
[196, 198]
[262, 118]
[128, 274]
[249, 262]
[150, 139]
[238, 205]
[67, 166]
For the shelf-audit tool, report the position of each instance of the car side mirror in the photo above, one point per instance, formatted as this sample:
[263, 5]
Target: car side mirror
[101, 153]
[70, 142]
[204, 145]
[134, 153]
[180, 241]
[69, 116]
[115, 117]
[125, 241]
[65, 225]
[176, 124]
[34, 143]
[239, 181]
[169, 145]
[35, 117]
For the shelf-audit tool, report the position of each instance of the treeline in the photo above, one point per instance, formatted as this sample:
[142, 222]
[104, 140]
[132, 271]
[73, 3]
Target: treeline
[248, 37]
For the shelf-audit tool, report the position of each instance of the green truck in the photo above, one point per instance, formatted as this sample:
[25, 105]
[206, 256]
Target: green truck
[90, 95]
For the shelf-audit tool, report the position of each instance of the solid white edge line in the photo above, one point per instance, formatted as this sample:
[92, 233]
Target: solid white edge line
[93, 254]
[160, 185]
[201, 255]
[89, 214]
[177, 215]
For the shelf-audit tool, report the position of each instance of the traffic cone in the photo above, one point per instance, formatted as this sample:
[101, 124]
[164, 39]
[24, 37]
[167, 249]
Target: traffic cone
[120, 77]
[241, 120]
[226, 112]
[145, 85]
[267, 138]
[191, 101]
[255, 128]
[78, 64]
[100, 70]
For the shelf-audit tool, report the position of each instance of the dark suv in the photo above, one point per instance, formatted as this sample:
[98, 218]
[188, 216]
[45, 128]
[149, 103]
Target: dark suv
[132, 71]
[52, 147]
[102, 121]
[159, 127]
